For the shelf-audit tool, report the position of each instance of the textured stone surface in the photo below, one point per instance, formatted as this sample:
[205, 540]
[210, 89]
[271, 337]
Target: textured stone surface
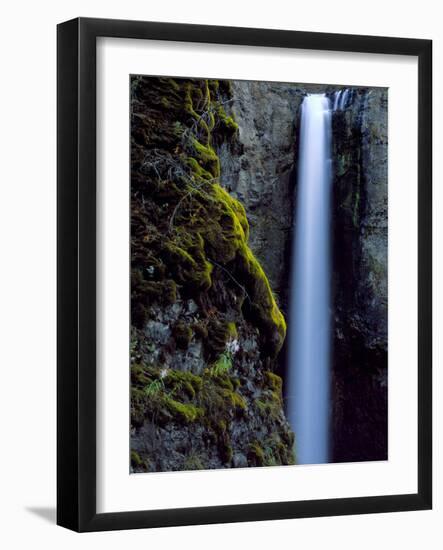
[360, 219]
[360, 184]
[261, 172]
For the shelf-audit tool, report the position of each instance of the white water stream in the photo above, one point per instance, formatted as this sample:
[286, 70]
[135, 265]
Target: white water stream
[310, 325]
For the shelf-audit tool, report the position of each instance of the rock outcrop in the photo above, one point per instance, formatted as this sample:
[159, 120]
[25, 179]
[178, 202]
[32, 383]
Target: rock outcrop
[206, 328]
[360, 222]
[262, 173]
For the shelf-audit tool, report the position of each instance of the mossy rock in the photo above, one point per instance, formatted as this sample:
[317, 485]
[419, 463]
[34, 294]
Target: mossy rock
[193, 462]
[189, 239]
[182, 335]
[196, 225]
[255, 455]
[200, 330]
[219, 333]
[135, 459]
[185, 398]
[144, 293]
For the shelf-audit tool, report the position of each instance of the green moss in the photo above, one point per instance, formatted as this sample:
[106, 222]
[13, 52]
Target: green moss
[182, 384]
[189, 239]
[268, 408]
[255, 454]
[138, 408]
[270, 402]
[140, 376]
[152, 389]
[274, 382]
[209, 227]
[193, 462]
[232, 329]
[196, 99]
[187, 261]
[222, 380]
[212, 400]
[236, 400]
[135, 459]
[234, 209]
[214, 87]
[276, 452]
[166, 104]
[206, 157]
[172, 83]
[190, 89]
[185, 412]
[219, 332]
[262, 306]
[222, 365]
[270, 452]
[166, 397]
[228, 122]
[182, 334]
[196, 169]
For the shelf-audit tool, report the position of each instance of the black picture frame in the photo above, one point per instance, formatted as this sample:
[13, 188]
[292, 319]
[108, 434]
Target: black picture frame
[76, 357]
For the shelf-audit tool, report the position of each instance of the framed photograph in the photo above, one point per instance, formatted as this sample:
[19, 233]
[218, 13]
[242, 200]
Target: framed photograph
[244, 274]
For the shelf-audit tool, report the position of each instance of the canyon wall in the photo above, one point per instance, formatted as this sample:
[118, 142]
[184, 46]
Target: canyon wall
[360, 223]
[262, 173]
[213, 189]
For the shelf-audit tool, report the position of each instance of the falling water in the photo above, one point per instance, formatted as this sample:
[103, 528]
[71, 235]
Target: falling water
[337, 100]
[341, 99]
[309, 340]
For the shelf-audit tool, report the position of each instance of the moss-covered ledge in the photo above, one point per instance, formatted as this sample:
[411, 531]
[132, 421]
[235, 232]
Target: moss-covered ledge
[206, 327]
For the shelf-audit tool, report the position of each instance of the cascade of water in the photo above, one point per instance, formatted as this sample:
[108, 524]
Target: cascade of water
[343, 99]
[336, 100]
[309, 328]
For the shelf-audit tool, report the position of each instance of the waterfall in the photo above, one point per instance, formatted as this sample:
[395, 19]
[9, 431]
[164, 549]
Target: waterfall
[336, 100]
[341, 98]
[309, 327]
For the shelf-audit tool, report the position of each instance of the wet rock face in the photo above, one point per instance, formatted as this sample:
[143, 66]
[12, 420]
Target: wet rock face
[244, 424]
[360, 221]
[261, 171]
[361, 209]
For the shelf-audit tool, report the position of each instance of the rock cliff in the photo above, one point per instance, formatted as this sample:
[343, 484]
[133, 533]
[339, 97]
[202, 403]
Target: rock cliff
[214, 171]
[360, 221]
[262, 173]
[206, 328]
